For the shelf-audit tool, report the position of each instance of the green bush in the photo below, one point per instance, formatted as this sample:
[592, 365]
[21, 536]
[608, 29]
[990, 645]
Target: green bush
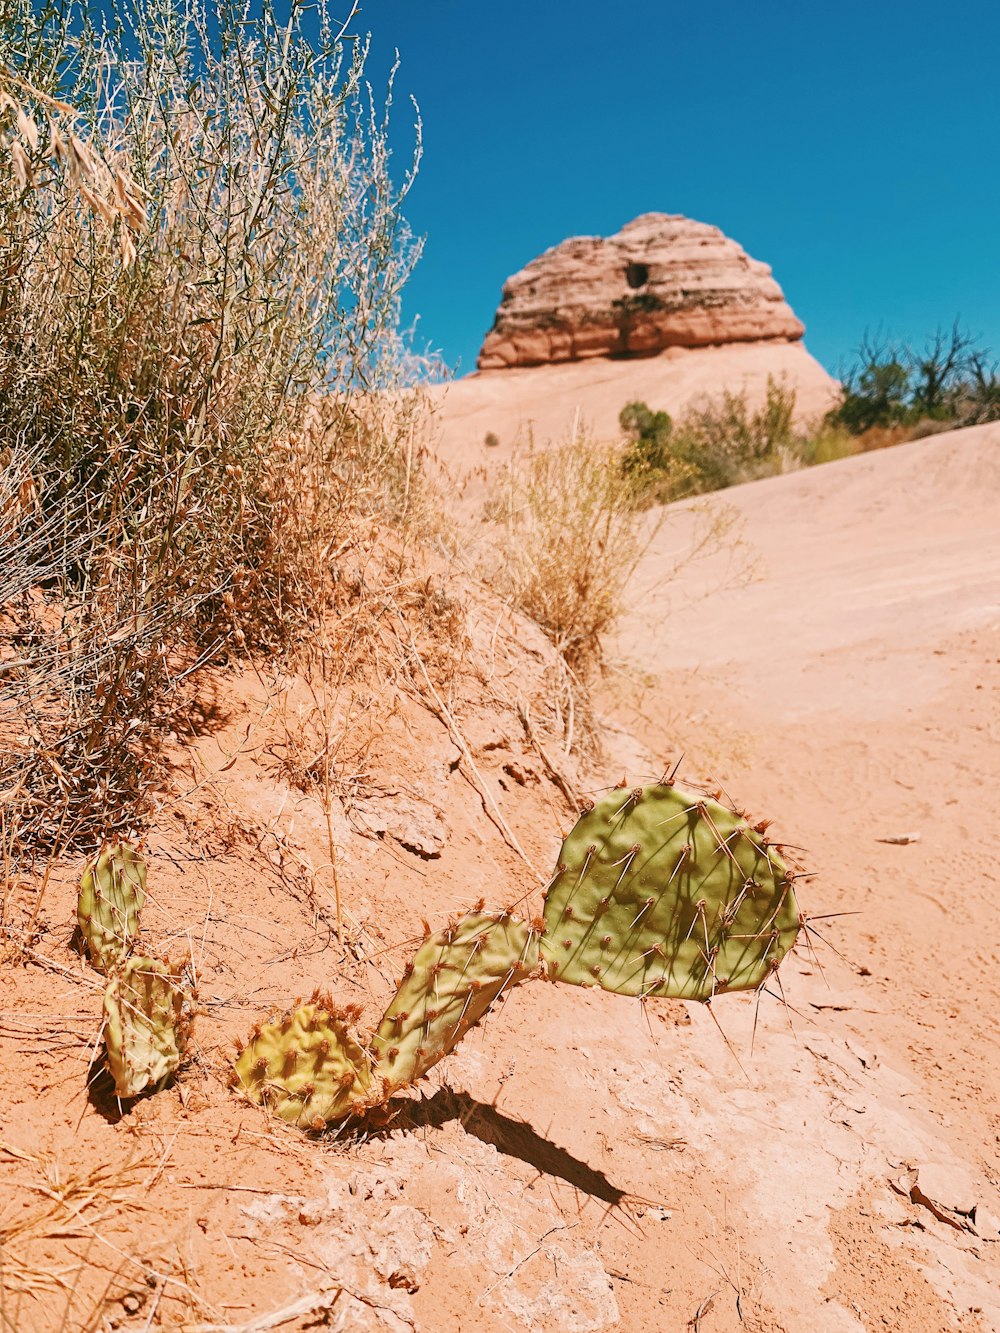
[716, 444]
[950, 380]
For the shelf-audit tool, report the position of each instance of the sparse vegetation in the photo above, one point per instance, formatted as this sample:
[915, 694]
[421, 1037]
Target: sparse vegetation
[568, 543]
[891, 394]
[717, 443]
[894, 392]
[640, 904]
[201, 255]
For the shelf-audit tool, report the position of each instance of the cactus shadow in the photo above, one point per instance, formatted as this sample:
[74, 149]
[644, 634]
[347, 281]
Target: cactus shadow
[101, 1091]
[102, 1096]
[512, 1137]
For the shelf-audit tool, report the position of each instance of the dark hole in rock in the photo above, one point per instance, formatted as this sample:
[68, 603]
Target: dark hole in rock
[637, 275]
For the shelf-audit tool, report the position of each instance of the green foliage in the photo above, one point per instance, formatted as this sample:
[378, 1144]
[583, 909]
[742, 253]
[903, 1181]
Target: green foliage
[716, 444]
[306, 1068]
[659, 891]
[950, 380]
[650, 462]
[877, 391]
[146, 1025]
[829, 441]
[649, 433]
[663, 891]
[112, 893]
[456, 976]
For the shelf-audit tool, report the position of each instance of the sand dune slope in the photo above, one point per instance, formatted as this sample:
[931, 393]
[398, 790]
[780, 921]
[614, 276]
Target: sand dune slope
[853, 688]
[581, 1164]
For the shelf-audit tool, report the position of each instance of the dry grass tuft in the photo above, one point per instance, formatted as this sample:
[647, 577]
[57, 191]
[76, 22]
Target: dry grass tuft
[51, 1209]
[568, 539]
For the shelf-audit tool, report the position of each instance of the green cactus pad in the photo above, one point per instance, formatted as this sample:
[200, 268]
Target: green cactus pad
[146, 1025]
[663, 891]
[112, 892]
[454, 978]
[307, 1068]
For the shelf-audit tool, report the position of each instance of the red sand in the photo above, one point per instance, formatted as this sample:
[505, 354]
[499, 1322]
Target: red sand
[583, 1162]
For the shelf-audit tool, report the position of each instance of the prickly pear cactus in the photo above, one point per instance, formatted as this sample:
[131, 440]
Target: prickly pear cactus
[112, 892]
[455, 976]
[146, 1024]
[307, 1067]
[664, 891]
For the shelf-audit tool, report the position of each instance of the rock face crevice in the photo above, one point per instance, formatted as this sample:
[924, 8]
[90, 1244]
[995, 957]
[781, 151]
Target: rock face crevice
[662, 281]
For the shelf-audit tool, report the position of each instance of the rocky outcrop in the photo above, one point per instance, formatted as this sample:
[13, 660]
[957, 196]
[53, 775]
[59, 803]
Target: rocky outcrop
[662, 281]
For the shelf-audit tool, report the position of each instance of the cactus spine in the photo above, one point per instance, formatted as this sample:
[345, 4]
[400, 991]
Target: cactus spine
[307, 1067]
[456, 976]
[146, 1025]
[659, 891]
[664, 891]
[112, 893]
[147, 1012]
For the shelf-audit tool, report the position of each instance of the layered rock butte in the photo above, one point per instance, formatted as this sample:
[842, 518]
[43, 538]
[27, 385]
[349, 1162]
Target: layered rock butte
[663, 281]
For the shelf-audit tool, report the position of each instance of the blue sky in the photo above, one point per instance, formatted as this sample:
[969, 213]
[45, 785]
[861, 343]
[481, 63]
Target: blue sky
[851, 146]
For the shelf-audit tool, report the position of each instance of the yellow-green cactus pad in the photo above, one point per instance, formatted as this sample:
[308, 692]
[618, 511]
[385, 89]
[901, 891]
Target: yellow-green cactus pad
[664, 891]
[146, 1025]
[307, 1067]
[455, 976]
[112, 892]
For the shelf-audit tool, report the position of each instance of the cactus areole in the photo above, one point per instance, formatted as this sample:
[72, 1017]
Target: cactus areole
[112, 893]
[662, 891]
[146, 1026]
[659, 891]
[306, 1067]
[455, 977]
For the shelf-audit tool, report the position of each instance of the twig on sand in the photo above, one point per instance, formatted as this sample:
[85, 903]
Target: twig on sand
[561, 781]
[315, 1302]
[694, 1323]
[444, 713]
[559, 1226]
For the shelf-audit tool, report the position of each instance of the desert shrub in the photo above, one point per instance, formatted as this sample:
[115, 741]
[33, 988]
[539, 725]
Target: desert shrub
[717, 443]
[907, 392]
[201, 256]
[567, 541]
[726, 441]
[827, 442]
[979, 399]
[655, 473]
[877, 390]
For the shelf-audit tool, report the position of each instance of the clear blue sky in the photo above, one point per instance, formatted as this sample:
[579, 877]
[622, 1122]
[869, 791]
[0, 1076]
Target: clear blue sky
[852, 146]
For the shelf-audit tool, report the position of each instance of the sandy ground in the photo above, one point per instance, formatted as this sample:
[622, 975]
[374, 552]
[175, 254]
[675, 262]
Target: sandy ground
[583, 1162]
[854, 687]
[548, 404]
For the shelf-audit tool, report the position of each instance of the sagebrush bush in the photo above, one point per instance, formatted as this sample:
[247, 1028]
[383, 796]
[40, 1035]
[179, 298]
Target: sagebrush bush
[201, 256]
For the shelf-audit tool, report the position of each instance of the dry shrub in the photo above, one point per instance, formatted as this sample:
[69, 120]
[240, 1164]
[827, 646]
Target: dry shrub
[200, 371]
[568, 542]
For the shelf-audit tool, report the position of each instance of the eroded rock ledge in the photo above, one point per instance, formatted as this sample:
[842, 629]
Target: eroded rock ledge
[662, 281]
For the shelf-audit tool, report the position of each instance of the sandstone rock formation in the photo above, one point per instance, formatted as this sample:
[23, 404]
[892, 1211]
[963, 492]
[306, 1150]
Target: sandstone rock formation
[662, 281]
